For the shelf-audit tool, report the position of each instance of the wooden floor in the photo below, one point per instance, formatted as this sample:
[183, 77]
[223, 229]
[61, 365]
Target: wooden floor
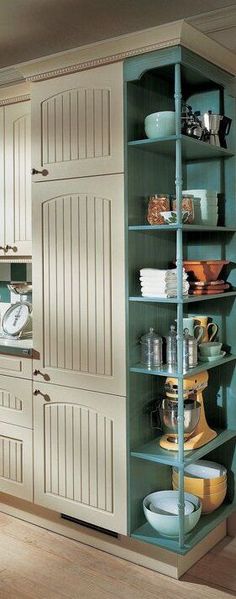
[37, 564]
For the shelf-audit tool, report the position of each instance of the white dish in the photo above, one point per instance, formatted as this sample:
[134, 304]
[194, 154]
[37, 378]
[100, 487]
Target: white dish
[168, 525]
[160, 124]
[169, 507]
[212, 358]
[205, 469]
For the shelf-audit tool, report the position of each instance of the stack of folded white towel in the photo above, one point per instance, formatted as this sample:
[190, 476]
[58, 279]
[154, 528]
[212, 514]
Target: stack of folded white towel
[161, 283]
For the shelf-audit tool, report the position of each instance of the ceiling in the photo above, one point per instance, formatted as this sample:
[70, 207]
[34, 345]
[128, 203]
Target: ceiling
[31, 28]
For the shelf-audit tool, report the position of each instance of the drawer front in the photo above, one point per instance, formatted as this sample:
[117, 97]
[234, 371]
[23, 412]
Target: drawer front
[16, 474]
[16, 366]
[16, 401]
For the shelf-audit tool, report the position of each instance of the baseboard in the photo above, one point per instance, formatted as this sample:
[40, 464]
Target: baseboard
[148, 556]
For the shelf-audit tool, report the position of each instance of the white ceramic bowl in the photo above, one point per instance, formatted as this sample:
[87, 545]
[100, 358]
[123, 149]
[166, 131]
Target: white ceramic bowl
[170, 216]
[205, 469]
[160, 124]
[168, 525]
[169, 506]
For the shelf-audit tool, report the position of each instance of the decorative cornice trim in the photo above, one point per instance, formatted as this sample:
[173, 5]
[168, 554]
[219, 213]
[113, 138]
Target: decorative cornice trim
[217, 20]
[14, 100]
[91, 64]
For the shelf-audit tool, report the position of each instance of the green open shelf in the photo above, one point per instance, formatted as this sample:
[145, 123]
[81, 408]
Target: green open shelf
[202, 228]
[206, 524]
[152, 452]
[188, 299]
[166, 370]
[193, 149]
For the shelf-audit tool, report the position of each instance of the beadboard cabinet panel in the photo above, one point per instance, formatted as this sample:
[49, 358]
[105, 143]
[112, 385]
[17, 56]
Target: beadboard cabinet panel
[16, 401]
[80, 449]
[16, 461]
[79, 321]
[78, 124]
[17, 193]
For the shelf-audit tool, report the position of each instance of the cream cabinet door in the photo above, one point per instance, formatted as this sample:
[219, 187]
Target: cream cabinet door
[16, 401]
[78, 273]
[80, 455]
[16, 461]
[77, 124]
[17, 196]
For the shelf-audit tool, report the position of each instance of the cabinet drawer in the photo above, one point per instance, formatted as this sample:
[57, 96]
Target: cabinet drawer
[16, 475]
[16, 366]
[16, 401]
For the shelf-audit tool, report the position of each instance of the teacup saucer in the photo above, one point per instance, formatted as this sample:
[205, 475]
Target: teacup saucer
[212, 358]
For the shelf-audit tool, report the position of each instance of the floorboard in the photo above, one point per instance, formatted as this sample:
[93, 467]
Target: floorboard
[38, 564]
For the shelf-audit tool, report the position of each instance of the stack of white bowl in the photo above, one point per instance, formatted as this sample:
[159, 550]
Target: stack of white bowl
[205, 206]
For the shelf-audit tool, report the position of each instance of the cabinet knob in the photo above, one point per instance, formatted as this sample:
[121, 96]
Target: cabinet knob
[34, 171]
[10, 247]
[43, 374]
[44, 395]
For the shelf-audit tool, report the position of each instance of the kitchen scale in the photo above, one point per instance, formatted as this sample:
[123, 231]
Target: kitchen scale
[17, 320]
[202, 434]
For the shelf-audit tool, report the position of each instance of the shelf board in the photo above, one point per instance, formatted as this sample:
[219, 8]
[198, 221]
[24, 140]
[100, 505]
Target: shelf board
[192, 149]
[188, 299]
[206, 524]
[202, 228]
[166, 370]
[152, 452]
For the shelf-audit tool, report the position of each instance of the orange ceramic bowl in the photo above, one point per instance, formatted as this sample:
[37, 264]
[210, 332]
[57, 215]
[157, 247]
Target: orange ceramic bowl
[204, 270]
[211, 502]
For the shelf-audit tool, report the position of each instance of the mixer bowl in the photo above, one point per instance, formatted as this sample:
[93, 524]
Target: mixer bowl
[169, 418]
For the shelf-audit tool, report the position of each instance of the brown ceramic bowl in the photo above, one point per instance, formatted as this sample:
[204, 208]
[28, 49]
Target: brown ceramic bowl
[204, 270]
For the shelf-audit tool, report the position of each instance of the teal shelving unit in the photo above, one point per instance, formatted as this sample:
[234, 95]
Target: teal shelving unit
[157, 81]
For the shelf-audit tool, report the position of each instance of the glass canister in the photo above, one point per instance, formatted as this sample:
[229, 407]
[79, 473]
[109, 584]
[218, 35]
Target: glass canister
[151, 349]
[156, 204]
[171, 347]
[190, 348]
[187, 206]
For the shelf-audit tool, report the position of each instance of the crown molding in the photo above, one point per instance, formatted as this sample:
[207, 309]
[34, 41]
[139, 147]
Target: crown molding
[118, 49]
[216, 20]
[97, 62]
[14, 100]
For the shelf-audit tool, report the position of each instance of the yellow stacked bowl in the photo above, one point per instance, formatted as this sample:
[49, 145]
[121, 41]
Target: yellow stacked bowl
[207, 480]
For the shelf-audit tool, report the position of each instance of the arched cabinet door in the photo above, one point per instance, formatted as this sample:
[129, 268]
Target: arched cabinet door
[79, 306]
[78, 124]
[80, 455]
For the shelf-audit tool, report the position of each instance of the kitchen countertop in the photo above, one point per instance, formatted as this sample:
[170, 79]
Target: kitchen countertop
[16, 347]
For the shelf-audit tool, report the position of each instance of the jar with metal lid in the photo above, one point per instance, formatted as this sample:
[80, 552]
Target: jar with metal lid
[151, 349]
[190, 347]
[171, 347]
[157, 203]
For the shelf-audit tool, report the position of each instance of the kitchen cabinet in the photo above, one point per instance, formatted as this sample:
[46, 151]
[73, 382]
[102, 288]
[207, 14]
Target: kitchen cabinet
[16, 434]
[78, 272]
[80, 454]
[77, 122]
[15, 180]
[16, 461]
[162, 81]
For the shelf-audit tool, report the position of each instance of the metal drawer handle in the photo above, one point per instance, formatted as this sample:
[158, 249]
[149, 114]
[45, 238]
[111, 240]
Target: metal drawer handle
[10, 247]
[44, 395]
[45, 376]
[34, 171]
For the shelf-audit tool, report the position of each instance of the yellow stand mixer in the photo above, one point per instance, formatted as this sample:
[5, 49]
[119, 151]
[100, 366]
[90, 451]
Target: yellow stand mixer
[202, 433]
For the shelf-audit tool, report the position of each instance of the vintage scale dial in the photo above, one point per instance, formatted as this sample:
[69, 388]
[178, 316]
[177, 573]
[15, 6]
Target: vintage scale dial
[16, 319]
